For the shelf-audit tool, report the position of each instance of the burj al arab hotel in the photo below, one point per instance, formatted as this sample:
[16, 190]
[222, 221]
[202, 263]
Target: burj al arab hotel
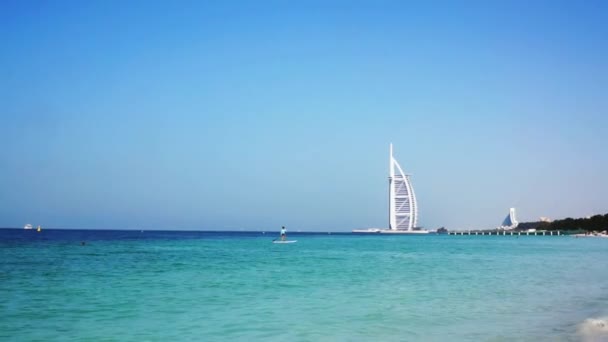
[402, 204]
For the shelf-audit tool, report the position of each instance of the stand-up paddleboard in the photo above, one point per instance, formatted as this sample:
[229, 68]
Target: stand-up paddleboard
[286, 241]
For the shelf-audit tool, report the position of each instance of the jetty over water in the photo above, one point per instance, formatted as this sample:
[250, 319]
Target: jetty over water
[508, 233]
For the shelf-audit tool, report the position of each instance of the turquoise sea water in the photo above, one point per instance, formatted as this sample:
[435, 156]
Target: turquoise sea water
[152, 286]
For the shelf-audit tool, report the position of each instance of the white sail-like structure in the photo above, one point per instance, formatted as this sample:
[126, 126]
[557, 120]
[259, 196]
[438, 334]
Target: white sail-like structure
[403, 208]
[402, 205]
[510, 221]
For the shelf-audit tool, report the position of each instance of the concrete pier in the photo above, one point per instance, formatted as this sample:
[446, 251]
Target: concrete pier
[504, 233]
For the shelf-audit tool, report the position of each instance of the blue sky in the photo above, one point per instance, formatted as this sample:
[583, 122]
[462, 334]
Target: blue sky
[252, 115]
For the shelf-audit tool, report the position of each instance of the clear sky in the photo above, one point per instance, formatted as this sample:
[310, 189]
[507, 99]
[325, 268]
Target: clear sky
[252, 115]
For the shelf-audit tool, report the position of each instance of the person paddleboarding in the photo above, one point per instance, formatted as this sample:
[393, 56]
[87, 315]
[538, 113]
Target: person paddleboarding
[283, 238]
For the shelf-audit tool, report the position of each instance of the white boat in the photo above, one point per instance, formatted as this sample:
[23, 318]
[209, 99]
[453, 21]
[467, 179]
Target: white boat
[369, 230]
[27, 226]
[402, 204]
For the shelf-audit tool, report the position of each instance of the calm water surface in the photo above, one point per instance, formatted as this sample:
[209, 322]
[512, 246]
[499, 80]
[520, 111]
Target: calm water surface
[158, 286]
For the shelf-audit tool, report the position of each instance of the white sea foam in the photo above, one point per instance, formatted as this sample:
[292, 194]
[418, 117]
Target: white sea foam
[594, 329]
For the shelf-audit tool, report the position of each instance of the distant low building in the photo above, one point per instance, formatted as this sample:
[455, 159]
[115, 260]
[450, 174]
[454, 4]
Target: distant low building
[545, 219]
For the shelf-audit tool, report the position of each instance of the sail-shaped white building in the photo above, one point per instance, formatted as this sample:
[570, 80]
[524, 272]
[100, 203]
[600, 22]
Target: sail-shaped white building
[402, 204]
[510, 222]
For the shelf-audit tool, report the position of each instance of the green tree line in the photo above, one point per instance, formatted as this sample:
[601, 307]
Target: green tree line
[593, 223]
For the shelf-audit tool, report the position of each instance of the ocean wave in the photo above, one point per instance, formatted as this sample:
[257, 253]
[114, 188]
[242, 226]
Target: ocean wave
[594, 329]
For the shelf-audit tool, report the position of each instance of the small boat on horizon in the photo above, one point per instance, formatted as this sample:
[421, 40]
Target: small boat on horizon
[28, 226]
[368, 230]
